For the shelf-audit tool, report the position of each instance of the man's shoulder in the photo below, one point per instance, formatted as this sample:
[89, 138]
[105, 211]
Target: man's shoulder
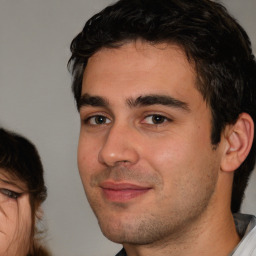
[246, 228]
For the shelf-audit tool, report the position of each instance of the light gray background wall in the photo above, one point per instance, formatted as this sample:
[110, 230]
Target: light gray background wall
[36, 100]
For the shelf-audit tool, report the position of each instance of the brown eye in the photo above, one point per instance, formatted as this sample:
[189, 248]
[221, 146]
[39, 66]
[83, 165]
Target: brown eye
[98, 120]
[155, 119]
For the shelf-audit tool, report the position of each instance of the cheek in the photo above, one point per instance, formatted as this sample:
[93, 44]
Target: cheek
[87, 157]
[167, 152]
[179, 153]
[8, 217]
[87, 151]
[15, 228]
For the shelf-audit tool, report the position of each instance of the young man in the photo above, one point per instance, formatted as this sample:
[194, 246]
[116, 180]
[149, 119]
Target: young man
[166, 92]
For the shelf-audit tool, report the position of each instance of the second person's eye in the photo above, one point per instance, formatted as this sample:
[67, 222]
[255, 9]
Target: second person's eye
[9, 193]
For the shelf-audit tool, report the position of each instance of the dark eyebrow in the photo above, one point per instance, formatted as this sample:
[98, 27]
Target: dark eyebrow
[152, 99]
[94, 101]
[8, 182]
[146, 100]
[11, 183]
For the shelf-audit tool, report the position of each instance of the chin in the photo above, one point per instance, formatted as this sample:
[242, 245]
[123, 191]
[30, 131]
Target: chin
[125, 233]
[115, 232]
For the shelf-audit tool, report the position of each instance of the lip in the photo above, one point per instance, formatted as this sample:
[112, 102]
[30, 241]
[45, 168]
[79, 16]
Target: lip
[122, 192]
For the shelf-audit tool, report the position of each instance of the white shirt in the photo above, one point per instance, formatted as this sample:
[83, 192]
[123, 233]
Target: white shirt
[246, 228]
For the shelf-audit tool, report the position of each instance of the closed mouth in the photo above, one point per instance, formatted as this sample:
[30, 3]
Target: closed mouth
[121, 192]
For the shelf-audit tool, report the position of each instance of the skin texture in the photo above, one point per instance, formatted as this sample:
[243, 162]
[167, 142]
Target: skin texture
[15, 217]
[148, 168]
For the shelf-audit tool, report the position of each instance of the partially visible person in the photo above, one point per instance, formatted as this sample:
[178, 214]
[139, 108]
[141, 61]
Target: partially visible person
[22, 191]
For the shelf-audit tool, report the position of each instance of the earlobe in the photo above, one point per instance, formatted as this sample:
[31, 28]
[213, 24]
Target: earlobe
[239, 138]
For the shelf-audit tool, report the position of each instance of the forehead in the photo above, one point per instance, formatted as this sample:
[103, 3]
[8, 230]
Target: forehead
[139, 68]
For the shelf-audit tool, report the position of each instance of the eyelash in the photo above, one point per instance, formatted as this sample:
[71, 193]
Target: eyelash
[105, 120]
[10, 194]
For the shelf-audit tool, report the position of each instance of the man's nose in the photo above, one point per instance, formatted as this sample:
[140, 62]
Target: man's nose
[121, 146]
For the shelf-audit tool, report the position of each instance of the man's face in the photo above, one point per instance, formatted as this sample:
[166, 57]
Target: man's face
[145, 155]
[15, 217]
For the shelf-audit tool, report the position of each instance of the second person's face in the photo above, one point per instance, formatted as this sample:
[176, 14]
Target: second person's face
[15, 217]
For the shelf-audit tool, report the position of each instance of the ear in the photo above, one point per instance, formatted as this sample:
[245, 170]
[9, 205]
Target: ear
[239, 138]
